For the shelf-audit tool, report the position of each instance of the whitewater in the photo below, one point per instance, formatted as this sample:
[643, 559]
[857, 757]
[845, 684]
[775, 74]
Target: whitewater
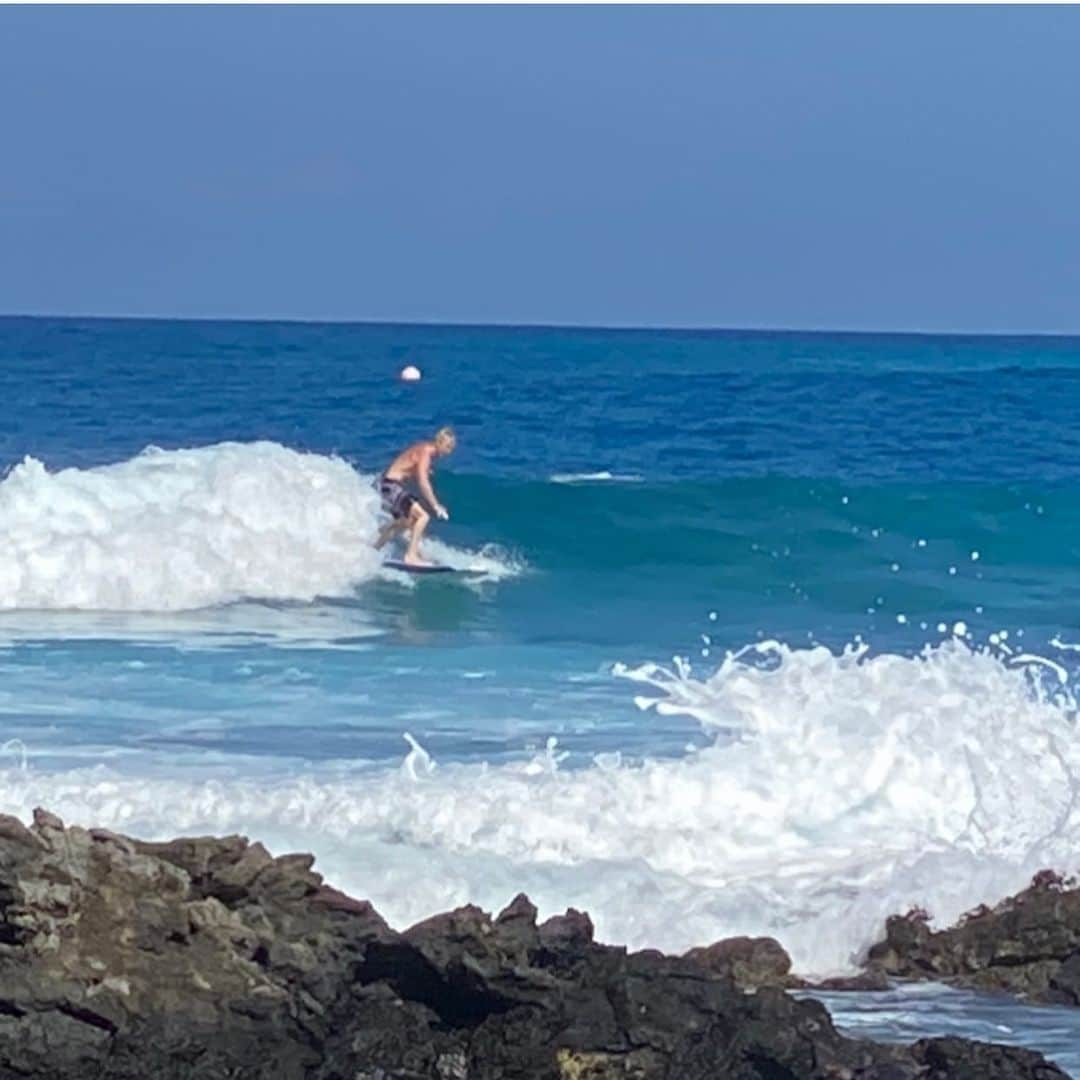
[185, 529]
[834, 791]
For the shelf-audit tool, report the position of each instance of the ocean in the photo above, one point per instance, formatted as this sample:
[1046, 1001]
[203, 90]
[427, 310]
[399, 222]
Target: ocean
[778, 632]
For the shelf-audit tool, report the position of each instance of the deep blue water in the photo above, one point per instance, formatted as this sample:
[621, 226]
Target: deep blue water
[670, 405]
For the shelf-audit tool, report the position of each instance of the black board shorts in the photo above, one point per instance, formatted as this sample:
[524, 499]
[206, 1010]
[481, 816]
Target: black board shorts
[397, 502]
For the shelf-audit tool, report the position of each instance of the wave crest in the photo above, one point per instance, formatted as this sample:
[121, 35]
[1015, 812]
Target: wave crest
[173, 530]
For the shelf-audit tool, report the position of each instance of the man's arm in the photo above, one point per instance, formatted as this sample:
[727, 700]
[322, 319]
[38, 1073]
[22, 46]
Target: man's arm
[423, 480]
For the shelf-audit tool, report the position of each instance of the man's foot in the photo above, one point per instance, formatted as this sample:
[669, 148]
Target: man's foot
[415, 560]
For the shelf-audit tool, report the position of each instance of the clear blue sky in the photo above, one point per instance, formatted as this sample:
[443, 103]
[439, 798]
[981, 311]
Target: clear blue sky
[898, 168]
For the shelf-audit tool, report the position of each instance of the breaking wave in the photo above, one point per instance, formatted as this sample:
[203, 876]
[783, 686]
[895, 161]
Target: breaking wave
[177, 530]
[839, 788]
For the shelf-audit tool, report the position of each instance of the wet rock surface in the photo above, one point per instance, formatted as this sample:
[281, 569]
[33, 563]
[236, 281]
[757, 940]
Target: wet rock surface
[208, 958]
[1028, 945]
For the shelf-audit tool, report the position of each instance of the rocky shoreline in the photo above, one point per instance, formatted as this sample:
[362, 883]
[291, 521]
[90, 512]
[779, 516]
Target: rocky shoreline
[208, 958]
[1028, 945]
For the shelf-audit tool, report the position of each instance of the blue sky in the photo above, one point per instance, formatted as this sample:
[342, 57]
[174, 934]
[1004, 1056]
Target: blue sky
[893, 168]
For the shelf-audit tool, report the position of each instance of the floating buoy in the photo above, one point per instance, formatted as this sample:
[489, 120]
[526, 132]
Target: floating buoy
[410, 373]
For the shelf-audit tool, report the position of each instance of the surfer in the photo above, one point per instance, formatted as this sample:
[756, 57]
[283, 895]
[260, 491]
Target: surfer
[405, 509]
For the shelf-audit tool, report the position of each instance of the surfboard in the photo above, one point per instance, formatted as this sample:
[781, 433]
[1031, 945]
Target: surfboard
[396, 564]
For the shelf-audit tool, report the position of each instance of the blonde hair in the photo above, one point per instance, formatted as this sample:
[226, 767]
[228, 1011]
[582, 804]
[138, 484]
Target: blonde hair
[446, 433]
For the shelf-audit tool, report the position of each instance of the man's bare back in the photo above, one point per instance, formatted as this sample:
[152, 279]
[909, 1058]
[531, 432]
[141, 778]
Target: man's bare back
[413, 464]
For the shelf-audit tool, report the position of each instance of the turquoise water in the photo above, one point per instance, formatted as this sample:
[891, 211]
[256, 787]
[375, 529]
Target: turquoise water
[907, 1013]
[776, 630]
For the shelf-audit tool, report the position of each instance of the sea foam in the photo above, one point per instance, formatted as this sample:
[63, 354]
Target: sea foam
[839, 788]
[177, 530]
[602, 477]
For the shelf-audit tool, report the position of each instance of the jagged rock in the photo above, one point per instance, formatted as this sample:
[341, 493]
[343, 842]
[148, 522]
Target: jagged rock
[871, 981]
[209, 958]
[959, 1059]
[1065, 982]
[1028, 945]
[751, 962]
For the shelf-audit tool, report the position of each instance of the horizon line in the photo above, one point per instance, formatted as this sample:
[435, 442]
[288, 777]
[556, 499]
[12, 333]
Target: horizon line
[686, 328]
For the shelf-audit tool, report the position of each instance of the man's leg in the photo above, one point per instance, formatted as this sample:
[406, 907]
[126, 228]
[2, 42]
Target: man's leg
[388, 532]
[418, 520]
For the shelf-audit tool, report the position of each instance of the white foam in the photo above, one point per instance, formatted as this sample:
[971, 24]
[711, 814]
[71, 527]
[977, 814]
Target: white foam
[180, 530]
[491, 561]
[602, 477]
[290, 625]
[841, 788]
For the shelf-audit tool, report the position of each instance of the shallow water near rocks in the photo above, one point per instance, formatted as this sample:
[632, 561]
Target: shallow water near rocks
[907, 1013]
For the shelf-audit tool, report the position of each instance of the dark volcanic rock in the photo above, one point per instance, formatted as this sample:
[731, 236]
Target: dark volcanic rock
[757, 962]
[751, 962]
[1028, 945]
[959, 1059]
[193, 955]
[210, 959]
[873, 981]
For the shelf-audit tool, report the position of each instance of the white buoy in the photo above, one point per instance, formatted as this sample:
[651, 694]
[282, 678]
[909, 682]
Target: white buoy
[410, 373]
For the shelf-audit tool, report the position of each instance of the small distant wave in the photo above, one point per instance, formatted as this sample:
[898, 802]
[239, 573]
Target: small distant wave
[603, 477]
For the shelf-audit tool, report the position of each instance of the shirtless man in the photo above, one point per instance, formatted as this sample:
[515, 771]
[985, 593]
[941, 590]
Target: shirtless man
[406, 510]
